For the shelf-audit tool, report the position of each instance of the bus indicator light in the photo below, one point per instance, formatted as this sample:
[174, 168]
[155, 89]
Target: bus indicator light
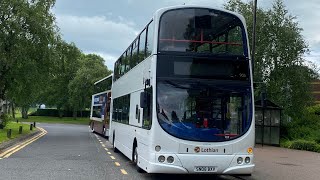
[250, 150]
[157, 148]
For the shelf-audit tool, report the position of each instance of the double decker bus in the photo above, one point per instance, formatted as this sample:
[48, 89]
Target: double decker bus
[182, 94]
[100, 106]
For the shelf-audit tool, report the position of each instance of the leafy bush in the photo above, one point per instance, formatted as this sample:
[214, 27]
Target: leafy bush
[4, 118]
[305, 145]
[300, 132]
[304, 127]
[314, 109]
[285, 143]
[317, 138]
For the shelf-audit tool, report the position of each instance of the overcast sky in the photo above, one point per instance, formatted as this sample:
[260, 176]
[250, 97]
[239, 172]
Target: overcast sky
[107, 27]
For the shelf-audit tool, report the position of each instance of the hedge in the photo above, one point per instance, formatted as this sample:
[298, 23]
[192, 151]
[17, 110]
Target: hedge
[55, 113]
[305, 145]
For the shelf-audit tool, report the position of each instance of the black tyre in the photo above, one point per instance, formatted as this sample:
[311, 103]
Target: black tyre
[114, 144]
[135, 158]
[92, 126]
[104, 132]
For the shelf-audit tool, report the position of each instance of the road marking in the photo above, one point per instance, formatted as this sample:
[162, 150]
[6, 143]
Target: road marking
[109, 152]
[101, 142]
[123, 171]
[112, 157]
[106, 149]
[103, 145]
[9, 154]
[19, 145]
[10, 151]
[117, 164]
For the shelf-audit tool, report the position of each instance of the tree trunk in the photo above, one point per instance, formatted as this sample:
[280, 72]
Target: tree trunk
[13, 111]
[24, 112]
[74, 114]
[60, 113]
[7, 107]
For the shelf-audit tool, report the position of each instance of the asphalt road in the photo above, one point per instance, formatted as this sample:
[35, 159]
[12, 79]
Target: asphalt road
[72, 152]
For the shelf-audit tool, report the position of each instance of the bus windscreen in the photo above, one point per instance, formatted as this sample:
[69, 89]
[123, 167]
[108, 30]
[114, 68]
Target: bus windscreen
[201, 31]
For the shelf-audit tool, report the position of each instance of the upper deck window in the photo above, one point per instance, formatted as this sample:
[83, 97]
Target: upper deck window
[201, 30]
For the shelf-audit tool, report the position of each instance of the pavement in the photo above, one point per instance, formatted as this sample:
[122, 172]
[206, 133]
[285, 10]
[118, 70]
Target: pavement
[286, 164]
[72, 152]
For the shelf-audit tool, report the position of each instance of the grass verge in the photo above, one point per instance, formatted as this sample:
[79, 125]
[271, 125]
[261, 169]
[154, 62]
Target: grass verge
[56, 120]
[15, 131]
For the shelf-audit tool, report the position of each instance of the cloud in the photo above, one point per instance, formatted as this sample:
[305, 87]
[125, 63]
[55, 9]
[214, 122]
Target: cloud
[109, 59]
[108, 28]
[97, 33]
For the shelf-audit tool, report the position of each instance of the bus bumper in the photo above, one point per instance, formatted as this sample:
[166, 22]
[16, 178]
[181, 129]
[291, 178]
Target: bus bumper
[188, 163]
[165, 168]
[245, 169]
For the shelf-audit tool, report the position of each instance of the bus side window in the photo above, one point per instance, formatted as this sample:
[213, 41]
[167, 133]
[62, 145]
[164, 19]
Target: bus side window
[142, 46]
[147, 112]
[128, 59]
[116, 70]
[149, 46]
[134, 58]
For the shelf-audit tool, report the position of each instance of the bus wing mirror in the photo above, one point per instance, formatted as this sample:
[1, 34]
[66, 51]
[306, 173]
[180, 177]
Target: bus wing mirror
[143, 99]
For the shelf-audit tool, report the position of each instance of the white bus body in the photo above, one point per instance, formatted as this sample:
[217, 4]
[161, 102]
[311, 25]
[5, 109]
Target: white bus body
[159, 150]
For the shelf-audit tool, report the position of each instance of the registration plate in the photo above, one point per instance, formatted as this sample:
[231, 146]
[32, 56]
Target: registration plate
[204, 169]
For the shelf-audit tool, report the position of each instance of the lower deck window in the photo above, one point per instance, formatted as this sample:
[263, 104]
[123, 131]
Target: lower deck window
[121, 109]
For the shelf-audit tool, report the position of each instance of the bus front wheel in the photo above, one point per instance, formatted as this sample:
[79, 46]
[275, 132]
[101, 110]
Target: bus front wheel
[135, 158]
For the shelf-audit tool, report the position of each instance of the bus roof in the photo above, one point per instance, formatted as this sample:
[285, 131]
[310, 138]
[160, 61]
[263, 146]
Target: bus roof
[110, 76]
[164, 9]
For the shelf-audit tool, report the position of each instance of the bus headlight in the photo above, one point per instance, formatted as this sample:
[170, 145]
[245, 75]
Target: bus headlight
[239, 160]
[161, 159]
[247, 160]
[157, 148]
[170, 159]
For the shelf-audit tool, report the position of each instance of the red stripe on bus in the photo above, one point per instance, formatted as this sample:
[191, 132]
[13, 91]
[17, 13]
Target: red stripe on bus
[231, 135]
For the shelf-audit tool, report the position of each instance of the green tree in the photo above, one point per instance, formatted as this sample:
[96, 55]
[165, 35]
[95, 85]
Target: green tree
[279, 54]
[66, 58]
[27, 33]
[81, 87]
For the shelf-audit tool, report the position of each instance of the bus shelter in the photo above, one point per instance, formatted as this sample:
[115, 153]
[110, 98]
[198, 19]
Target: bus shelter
[268, 120]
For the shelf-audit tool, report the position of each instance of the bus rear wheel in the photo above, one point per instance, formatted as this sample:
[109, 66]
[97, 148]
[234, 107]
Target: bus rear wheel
[114, 144]
[92, 126]
[104, 132]
[135, 158]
